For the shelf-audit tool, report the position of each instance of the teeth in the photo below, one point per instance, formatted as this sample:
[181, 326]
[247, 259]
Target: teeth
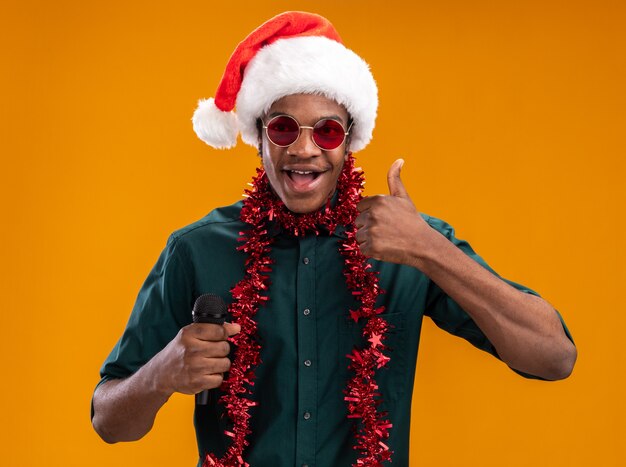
[302, 172]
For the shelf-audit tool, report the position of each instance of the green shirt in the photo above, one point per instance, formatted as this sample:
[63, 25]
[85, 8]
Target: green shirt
[304, 332]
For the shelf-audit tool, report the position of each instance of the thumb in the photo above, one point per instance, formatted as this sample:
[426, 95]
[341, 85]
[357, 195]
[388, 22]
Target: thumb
[232, 328]
[396, 187]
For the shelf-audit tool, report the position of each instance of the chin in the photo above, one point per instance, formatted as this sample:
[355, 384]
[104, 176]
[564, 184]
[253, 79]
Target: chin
[303, 207]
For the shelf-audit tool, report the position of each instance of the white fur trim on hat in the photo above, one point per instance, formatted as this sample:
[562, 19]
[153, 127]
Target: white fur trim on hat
[214, 126]
[308, 65]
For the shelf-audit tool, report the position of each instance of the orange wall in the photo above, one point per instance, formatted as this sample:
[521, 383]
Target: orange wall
[510, 116]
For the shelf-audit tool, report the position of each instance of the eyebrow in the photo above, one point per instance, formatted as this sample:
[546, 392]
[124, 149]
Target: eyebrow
[330, 117]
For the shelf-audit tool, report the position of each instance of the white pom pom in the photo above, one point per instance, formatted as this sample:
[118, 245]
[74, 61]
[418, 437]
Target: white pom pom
[213, 126]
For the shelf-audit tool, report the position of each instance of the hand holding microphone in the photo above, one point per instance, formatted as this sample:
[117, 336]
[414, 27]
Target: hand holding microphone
[196, 359]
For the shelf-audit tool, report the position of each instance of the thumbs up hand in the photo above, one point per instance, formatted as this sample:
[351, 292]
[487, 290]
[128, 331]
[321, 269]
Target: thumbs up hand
[389, 227]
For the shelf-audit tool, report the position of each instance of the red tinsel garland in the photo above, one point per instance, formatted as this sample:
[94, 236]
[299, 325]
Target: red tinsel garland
[361, 394]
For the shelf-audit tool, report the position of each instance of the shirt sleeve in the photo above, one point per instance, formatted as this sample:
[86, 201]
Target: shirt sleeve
[162, 307]
[449, 316]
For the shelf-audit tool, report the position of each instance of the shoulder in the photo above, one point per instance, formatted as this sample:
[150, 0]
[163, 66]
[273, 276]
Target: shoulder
[439, 225]
[220, 221]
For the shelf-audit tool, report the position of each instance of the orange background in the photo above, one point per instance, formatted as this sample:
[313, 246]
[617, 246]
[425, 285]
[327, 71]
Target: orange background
[510, 116]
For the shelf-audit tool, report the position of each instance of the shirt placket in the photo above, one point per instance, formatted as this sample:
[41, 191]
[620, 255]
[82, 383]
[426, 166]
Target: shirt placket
[307, 352]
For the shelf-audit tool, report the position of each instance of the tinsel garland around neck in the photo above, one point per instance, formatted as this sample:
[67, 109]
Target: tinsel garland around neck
[260, 208]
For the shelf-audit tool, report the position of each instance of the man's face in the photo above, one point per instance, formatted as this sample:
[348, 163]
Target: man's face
[303, 175]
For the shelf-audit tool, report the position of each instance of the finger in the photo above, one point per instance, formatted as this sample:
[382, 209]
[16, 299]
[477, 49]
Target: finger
[218, 366]
[361, 236]
[361, 220]
[212, 349]
[396, 187]
[367, 203]
[209, 332]
[216, 332]
[211, 382]
[232, 328]
[364, 248]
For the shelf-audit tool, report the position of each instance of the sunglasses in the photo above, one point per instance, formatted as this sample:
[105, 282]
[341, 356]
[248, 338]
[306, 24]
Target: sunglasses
[284, 130]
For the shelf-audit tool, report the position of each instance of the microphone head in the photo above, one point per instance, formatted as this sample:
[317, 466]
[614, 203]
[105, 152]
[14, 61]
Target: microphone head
[209, 308]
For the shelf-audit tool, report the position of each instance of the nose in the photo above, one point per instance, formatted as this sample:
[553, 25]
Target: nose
[304, 145]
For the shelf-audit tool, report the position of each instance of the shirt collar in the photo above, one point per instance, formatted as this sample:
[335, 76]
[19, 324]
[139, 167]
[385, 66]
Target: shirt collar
[274, 229]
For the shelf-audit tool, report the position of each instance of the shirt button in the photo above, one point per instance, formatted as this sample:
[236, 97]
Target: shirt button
[306, 312]
[307, 415]
[307, 363]
[305, 260]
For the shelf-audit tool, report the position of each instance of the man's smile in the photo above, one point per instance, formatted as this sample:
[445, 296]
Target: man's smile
[303, 179]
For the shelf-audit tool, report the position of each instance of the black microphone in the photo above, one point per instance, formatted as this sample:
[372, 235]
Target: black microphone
[208, 308]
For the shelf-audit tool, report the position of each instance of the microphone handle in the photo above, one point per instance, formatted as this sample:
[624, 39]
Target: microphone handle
[202, 398]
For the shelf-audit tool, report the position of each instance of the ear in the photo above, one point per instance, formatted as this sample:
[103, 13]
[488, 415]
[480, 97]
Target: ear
[259, 130]
[259, 127]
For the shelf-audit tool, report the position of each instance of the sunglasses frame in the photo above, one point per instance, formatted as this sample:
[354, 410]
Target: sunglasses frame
[312, 128]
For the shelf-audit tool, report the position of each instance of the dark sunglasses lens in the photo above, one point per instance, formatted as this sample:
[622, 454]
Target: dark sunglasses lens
[328, 134]
[282, 130]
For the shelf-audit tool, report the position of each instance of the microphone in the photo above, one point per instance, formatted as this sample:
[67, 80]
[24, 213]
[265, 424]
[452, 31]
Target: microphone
[208, 308]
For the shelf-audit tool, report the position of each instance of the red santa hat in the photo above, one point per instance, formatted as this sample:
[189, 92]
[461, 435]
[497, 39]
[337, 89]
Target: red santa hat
[292, 53]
